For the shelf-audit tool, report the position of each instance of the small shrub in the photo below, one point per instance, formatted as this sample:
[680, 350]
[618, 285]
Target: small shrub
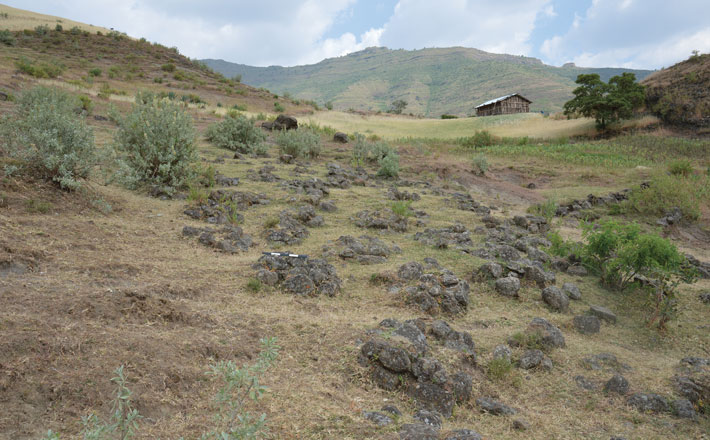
[271, 223]
[239, 386]
[329, 105]
[7, 38]
[38, 206]
[479, 139]
[681, 167]
[480, 164]
[299, 143]
[39, 69]
[42, 30]
[499, 369]
[49, 138]
[157, 140]
[669, 191]
[86, 104]
[402, 208]
[123, 422]
[445, 116]
[95, 72]
[532, 340]
[240, 107]
[278, 108]
[560, 247]
[261, 150]
[169, 67]
[546, 209]
[179, 76]
[236, 133]
[254, 285]
[237, 78]
[389, 165]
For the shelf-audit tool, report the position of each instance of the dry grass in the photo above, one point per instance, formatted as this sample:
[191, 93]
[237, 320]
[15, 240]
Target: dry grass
[20, 19]
[126, 288]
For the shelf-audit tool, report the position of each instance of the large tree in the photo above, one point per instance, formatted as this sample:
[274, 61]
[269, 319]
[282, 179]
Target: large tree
[606, 103]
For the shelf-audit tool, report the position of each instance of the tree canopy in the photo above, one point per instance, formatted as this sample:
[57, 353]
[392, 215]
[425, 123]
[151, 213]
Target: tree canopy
[606, 103]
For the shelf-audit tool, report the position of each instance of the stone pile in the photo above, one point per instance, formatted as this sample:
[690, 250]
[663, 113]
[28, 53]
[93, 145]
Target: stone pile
[465, 202]
[364, 250]
[456, 236]
[299, 276]
[222, 206]
[292, 227]
[344, 177]
[230, 239]
[384, 219]
[435, 290]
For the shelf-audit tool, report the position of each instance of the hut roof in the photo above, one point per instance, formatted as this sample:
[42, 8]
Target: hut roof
[502, 98]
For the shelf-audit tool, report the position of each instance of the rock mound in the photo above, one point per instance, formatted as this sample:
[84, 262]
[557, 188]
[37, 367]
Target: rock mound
[299, 276]
[365, 250]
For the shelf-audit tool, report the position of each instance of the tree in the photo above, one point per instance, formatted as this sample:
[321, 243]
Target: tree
[397, 106]
[606, 103]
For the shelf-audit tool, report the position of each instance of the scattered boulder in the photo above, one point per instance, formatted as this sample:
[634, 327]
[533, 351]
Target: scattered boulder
[585, 383]
[392, 410]
[230, 239]
[494, 407]
[430, 418]
[693, 381]
[465, 202]
[575, 207]
[617, 384]
[672, 217]
[385, 219]
[540, 276]
[395, 194]
[531, 359]
[705, 297]
[604, 361]
[703, 268]
[577, 270]
[508, 286]
[456, 236]
[649, 402]
[550, 336]
[300, 276]
[586, 324]
[555, 298]
[223, 206]
[520, 425]
[459, 341]
[463, 434]
[603, 313]
[490, 271]
[502, 352]
[312, 190]
[221, 180]
[264, 174]
[365, 250]
[327, 206]
[341, 137]
[343, 177]
[572, 291]
[377, 418]
[684, 409]
[292, 227]
[435, 292]
[418, 431]
[285, 122]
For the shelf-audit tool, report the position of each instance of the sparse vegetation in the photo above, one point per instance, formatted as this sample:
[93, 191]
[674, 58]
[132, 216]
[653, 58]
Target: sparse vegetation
[157, 143]
[299, 143]
[668, 191]
[481, 138]
[39, 69]
[680, 167]
[7, 37]
[480, 164]
[236, 133]
[402, 208]
[49, 138]
[278, 108]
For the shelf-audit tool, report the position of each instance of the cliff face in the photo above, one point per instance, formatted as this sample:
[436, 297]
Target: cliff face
[680, 94]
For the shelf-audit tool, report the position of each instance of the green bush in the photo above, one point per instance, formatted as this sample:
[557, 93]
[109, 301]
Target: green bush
[669, 191]
[402, 208]
[236, 133]
[86, 104]
[560, 247]
[623, 256]
[546, 209]
[42, 30]
[157, 142]
[480, 164]
[479, 139]
[239, 386]
[680, 167]
[389, 165]
[49, 138]
[498, 369]
[95, 72]
[278, 107]
[39, 69]
[445, 116]
[7, 37]
[299, 143]
[169, 67]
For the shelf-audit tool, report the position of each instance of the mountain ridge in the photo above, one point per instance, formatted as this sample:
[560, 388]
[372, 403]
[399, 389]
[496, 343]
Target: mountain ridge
[433, 81]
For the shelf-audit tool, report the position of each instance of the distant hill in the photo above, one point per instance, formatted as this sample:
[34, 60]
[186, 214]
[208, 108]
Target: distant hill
[680, 94]
[19, 19]
[433, 81]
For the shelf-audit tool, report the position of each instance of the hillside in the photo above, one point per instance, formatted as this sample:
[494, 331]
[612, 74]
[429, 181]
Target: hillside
[680, 94]
[19, 19]
[432, 81]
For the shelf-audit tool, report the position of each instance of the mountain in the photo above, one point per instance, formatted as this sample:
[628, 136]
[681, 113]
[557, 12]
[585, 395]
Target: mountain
[433, 81]
[680, 94]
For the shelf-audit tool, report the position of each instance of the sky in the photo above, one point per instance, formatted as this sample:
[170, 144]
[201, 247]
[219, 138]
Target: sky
[641, 34]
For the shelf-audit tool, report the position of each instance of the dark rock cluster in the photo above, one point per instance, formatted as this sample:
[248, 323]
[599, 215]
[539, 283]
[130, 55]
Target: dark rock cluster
[395, 194]
[435, 290]
[223, 206]
[456, 236]
[364, 250]
[292, 227]
[230, 239]
[575, 207]
[465, 202]
[299, 276]
[313, 190]
[384, 219]
[343, 177]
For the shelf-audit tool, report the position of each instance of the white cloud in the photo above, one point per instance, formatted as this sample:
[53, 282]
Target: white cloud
[483, 24]
[633, 34]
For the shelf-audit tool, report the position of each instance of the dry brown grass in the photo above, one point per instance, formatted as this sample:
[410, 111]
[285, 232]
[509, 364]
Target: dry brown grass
[126, 288]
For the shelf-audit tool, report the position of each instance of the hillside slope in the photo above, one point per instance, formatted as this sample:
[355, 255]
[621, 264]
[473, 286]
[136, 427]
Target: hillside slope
[19, 19]
[680, 94]
[432, 81]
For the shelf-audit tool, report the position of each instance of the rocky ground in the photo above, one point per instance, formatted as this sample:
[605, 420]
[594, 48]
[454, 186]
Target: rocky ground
[453, 321]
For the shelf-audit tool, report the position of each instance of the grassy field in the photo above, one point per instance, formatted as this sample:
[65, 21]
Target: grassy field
[20, 19]
[533, 125]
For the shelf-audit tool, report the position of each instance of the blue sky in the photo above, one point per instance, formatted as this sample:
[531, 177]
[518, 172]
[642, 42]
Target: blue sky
[647, 34]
